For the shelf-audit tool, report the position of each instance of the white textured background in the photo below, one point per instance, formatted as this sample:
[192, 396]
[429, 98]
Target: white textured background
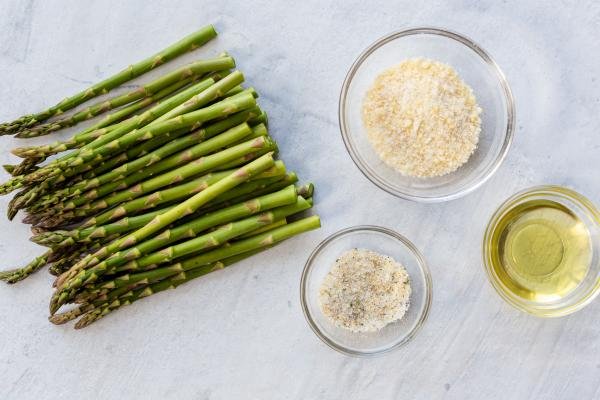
[240, 333]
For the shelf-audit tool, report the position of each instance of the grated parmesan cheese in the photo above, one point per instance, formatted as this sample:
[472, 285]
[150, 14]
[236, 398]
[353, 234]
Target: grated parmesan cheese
[365, 291]
[421, 118]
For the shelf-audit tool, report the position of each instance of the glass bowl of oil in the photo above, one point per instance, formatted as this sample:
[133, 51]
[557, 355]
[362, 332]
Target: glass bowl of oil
[541, 251]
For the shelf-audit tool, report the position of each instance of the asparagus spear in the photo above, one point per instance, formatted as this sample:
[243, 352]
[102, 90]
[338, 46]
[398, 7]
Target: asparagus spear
[76, 251]
[16, 275]
[248, 191]
[213, 93]
[169, 195]
[172, 147]
[184, 45]
[110, 122]
[142, 257]
[56, 239]
[54, 192]
[13, 204]
[196, 266]
[126, 292]
[190, 120]
[118, 179]
[76, 189]
[45, 151]
[253, 116]
[84, 272]
[120, 138]
[193, 168]
[110, 142]
[183, 73]
[193, 228]
[51, 255]
[307, 190]
[268, 227]
[107, 124]
[201, 97]
[26, 166]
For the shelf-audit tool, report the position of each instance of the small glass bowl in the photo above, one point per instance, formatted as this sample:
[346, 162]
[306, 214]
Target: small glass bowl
[383, 241]
[475, 67]
[588, 288]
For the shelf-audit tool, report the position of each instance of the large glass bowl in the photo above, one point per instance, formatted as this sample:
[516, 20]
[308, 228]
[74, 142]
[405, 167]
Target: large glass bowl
[383, 241]
[587, 289]
[475, 67]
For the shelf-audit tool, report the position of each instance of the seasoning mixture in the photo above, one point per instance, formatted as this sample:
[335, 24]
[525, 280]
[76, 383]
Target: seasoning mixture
[365, 291]
[421, 118]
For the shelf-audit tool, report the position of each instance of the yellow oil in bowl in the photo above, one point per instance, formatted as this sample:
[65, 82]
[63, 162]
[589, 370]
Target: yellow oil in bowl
[540, 251]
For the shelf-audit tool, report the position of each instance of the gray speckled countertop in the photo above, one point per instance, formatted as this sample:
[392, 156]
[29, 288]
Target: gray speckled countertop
[240, 333]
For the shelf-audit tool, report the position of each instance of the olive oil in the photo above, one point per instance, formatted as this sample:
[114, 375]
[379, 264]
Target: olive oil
[540, 251]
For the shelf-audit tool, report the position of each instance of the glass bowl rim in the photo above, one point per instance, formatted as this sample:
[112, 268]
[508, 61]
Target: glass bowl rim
[559, 191]
[423, 268]
[508, 98]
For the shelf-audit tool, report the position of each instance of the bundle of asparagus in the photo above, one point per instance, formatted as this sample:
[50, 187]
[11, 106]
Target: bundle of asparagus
[179, 180]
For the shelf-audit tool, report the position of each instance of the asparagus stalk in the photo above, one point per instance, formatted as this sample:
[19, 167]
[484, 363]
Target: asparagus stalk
[26, 166]
[213, 93]
[13, 204]
[118, 179]
[132, 261]
[184, 45]
[110, 122]
[250, 190]
[114, 120]
[51, 197]
[200, 223]
[255, 242]
[16, 275]
[190, 120]
[196, 267]
[202, 97]
[253, 116]
[94, 181]
[56, 239]
[84, 272]
[156, 162]
[187, 272]
[307, 190]
[239, 102]
[113, 140]
[75, 253]
[121, 138]
[140, 291]
[145, 91]
[48, 200]
[230, 178]
[42, 152]
[193, 168]
[198, 244]
[169, 195]
[268, 227]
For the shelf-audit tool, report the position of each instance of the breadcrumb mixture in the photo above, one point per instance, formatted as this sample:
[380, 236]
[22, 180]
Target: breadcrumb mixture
[421, 118]
[364, 291]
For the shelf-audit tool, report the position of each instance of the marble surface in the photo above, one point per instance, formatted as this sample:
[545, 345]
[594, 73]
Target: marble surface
[240, 333]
